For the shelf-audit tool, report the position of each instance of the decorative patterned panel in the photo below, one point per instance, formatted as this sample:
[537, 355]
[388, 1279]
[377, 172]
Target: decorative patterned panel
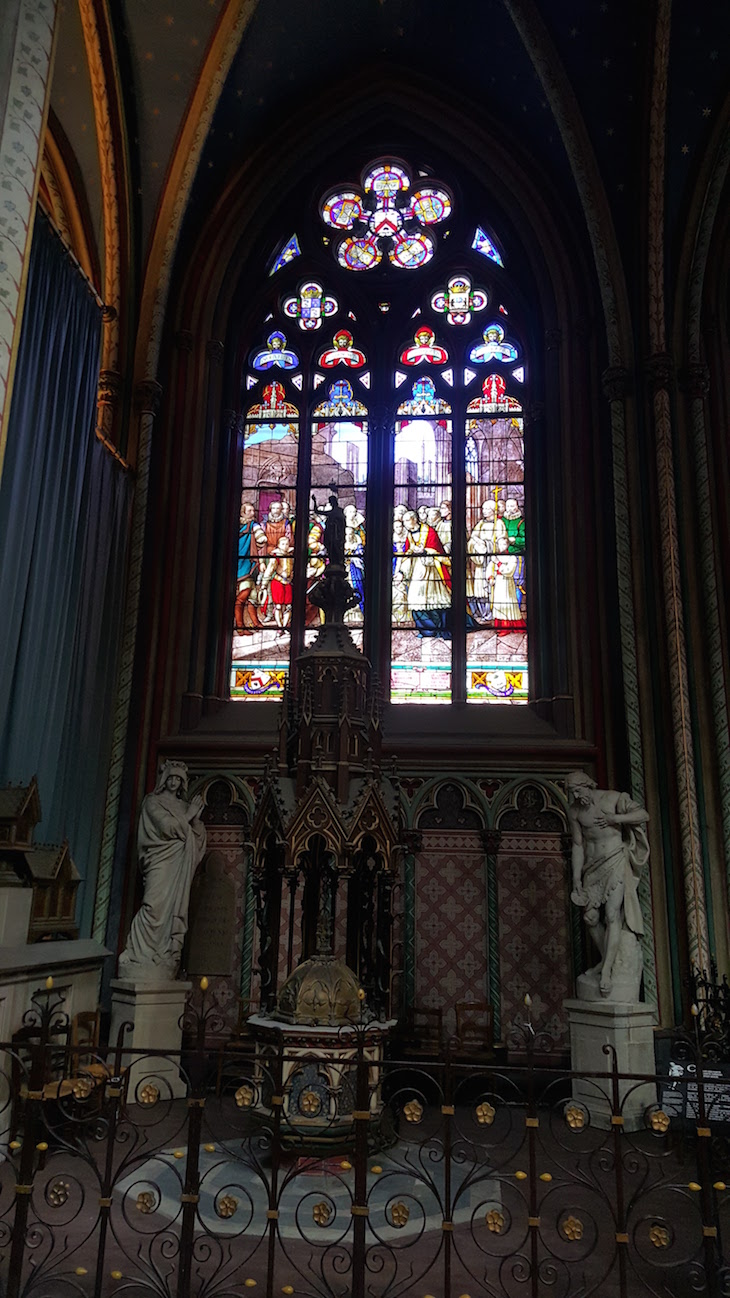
[451, 934]
[534, 932]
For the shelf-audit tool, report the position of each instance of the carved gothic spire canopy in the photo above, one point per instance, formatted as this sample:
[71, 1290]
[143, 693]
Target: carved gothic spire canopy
[327, 820]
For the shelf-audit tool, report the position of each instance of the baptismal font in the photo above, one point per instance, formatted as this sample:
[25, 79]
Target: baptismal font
[326, 829]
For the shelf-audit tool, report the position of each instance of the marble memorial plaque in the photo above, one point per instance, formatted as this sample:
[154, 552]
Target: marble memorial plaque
[212, 919]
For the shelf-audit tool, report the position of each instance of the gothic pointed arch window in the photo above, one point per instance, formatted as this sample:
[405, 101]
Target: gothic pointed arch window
[387, 371]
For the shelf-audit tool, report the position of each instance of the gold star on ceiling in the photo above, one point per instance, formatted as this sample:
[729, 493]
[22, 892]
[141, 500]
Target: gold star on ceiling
[685, 148]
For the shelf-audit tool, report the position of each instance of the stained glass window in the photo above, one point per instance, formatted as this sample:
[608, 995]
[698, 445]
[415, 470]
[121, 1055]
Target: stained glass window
[404, 405]
[421, 614]
[265, 571]
[496, 607]
[288, 252]
[339, 466]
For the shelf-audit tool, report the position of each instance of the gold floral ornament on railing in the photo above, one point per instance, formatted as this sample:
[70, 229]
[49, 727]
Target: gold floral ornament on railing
[659, 1120]
[495, 1221]
[659, 1236]
[58, 1194]
[226, 1205]
[399, 1214]
[575, 1117]
[146, 1201]
[310, 1103]
[321, 1213]
[244, 1097]
[572, 1228]
[485, 1113]
[149, 1094]
[413, 1111]
[82, 1088]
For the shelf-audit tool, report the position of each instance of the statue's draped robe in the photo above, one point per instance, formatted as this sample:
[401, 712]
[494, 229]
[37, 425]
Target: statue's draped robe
[170, 849]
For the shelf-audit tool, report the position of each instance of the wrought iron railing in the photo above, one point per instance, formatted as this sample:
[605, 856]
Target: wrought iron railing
[297, 1176]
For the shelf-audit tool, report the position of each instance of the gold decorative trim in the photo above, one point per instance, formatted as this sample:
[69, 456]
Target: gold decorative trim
[704, 1133]
[622, 1238]
[105, 1203]
[24, 1189]
[359, 1210]
[616, 1120]
[534, 1222]
[709, 1232]
[272, 1214]
[33, 1095]
[361, 1115]
[448, 1110]
[113, 1092]
[532, 1122]
[190, 1198]
[447, 1225]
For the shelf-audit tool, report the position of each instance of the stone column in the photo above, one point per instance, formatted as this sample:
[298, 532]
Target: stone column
[29, 26]
[491, 839]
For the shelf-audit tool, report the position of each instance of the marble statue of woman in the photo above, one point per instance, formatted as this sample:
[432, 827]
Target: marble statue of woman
[170, 844]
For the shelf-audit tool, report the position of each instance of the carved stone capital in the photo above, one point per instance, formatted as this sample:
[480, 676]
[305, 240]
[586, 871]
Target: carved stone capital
[214, 351]
[659, 370]
[694, 380]
[109, 388]
[615, 382]
[412, 841]
[184, 340]
[147, 397]
[491, 839]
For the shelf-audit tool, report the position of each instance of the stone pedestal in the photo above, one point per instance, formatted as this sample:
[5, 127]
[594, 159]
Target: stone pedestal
[16, 900]
[154, 1011]
[629, 1029]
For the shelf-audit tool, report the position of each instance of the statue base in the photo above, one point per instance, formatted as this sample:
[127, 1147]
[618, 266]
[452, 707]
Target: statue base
[626, 980]
[154, 1011]
[629, 1031]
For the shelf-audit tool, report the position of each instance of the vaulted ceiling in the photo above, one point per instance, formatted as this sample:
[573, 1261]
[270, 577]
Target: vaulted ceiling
[475, 52]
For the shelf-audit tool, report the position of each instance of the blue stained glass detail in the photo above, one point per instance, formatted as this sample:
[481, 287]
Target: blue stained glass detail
[290, 250]
[483, 244]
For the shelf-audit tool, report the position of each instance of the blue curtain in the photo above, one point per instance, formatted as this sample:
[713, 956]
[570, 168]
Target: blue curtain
[64, 521]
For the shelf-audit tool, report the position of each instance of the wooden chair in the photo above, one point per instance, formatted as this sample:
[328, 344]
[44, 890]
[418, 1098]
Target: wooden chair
[474, 1030]
[422, 1032]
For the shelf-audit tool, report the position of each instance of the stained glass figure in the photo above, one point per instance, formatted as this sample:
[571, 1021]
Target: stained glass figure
[311, 306]
[265, 567]
[496, 621]
[424, 350]
[421, 561]
[458, 300]
[342, 352]
[493, 347]
[275, 355]
[289, 251]
[483, 244]
[386, 218]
